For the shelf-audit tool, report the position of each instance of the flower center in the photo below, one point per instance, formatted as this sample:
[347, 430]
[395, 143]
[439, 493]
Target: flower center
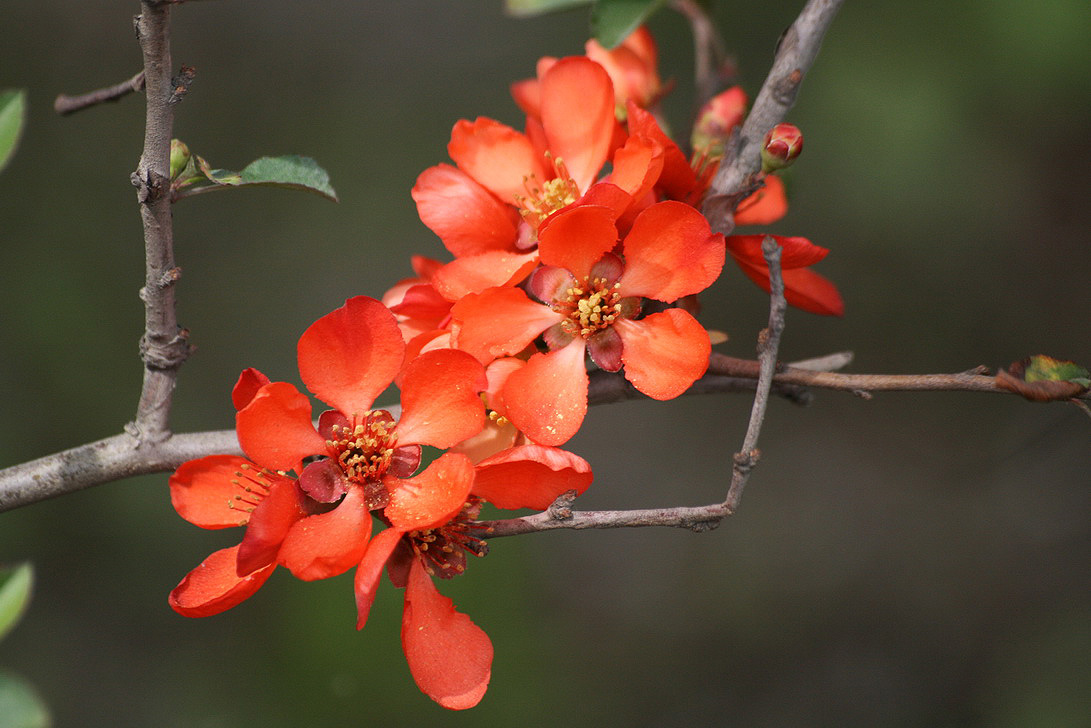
[543, 200]
[589, 307]
[364, 447]
[442, 551]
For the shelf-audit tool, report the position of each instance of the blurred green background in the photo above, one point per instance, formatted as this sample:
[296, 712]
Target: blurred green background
[914, 560]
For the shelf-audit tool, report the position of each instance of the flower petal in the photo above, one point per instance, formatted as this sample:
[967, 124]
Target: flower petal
[475, 273]
[433, 497]
[670, 252]
[269, 524]
[275, 429]
[604, 348]
[795, 252]
[370, 570]
[637, 166]
[350, 355]
[324, 480]
[214, 587]
[547, 399]
[331, 543]
[440, 402]
[422, 301]
[607, 194]
[449, 656]
[204, 491]
[530, 476]
[576, 237]
[765, 206]
[803, 288]
[467, 217]
[549, 283]
[498, 157]
[248, 384]
[578, 115]
[677, 178]
[499, 321]
[664, 353]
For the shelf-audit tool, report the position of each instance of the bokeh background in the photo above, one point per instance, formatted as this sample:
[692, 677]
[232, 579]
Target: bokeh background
[914, 560]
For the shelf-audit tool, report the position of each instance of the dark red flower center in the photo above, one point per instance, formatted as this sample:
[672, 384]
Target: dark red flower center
[365, 446]
[442, 551]
[589, 307]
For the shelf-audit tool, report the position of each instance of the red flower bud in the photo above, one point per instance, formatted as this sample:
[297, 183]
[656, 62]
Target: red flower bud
[716, 120]
[781, 146]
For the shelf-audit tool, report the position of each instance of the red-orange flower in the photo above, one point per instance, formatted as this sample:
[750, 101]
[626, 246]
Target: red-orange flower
[590, 303]
[347, 358]
[221, 491]
[449, 656]
[488, 209]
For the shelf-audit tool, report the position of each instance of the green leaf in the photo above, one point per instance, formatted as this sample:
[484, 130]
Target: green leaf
[1042, 368]
[15, 586]
[302, 173]
[291, 172]
[613, 20]
[526, 8]
[12, 114]
[20, 706]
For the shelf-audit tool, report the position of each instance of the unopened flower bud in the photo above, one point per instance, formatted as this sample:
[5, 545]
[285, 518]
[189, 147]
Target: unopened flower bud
[716, 120]
[179, 158]
[781, 146]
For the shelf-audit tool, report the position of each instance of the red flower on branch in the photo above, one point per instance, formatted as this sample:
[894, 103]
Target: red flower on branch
[347, 358]
[222, 491]
[488, 209]
[590, 303]
[449, 656]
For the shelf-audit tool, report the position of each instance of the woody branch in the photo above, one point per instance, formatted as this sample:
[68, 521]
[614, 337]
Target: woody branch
[737, 176]
[163, 346]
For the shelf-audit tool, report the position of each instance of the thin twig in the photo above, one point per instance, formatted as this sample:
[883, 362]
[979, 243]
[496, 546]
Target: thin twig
[163, 346]
[768, 346]
[712, 67]
[65, 104]
[105, 461]
[737, 176]
[119, 457]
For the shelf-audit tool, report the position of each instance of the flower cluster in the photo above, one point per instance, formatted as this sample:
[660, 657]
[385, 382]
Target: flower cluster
[576, 243]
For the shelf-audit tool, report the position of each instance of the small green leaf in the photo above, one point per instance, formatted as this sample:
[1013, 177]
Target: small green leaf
[1042, 378]
[12, 114]
[1042, 368]
[302, 173]
[20, 706]
[291, 172]
[526, 8]
[613, 20]
[15, 586]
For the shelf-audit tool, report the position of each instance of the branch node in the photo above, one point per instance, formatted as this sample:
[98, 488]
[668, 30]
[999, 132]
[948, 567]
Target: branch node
[181, 84]
[561, 508]
[163, 354]
[169, 277]
[150, 186]
[745, 461]
[862, 394]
